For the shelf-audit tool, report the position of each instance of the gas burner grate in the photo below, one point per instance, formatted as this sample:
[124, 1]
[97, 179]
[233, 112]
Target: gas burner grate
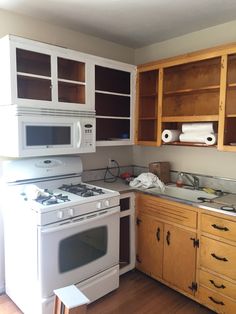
[81, 190]
[52, 199]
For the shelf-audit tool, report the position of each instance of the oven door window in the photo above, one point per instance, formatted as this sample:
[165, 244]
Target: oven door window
[82, 248]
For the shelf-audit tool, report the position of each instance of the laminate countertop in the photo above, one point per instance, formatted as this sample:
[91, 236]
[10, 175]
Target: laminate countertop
[119, 185]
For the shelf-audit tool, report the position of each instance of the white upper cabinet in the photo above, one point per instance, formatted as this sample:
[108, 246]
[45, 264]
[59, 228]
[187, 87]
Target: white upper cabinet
[38, 74]
[114, 102]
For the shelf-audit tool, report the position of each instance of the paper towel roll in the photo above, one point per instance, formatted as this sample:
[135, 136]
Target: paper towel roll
[206, 127]
[209, 139]
[170, 136]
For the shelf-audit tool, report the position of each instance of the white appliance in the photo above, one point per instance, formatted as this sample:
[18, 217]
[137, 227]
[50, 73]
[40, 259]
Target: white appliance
[28, 131]
[58, 231]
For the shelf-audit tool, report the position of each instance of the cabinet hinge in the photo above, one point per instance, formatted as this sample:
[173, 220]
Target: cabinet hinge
[195, 242]
[138, 259]
[193, 287]
[138, 221]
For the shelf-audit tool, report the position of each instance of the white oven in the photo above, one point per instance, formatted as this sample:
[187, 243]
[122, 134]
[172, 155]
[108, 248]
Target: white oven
[58, 231]
[76, 249]
[43, 132]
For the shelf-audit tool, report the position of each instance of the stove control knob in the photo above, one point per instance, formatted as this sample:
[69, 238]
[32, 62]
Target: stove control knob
[107, 203]
[60, 214]
[71, 212]
[99, 205]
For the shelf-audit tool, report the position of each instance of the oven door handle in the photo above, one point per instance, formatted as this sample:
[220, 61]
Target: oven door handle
[82, 220]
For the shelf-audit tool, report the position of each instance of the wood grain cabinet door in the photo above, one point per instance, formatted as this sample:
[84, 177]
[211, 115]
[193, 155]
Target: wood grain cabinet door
[150, 246]
[179, 262]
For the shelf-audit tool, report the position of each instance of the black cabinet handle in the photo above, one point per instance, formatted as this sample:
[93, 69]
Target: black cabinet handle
[215, 301]
[223, 259]
[220, 228]
[158, 234]
[168, 237]
[215, 285]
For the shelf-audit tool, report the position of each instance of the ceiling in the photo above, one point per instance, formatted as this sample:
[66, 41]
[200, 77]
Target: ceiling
[133, 23]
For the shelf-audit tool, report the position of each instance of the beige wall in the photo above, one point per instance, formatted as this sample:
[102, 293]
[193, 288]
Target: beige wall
[206, 38]
[199, 160]
[27, 27]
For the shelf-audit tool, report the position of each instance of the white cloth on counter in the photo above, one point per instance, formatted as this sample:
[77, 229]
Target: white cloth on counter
[147, 180]
[169, 136]
[202, 127]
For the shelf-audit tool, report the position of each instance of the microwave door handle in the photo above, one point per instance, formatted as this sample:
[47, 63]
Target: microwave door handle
[79, 133]
[89, 218]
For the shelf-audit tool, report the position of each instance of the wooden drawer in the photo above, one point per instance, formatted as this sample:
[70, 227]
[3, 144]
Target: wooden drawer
[166, 210]
[218, 256]
[221, 227]
[217, 302]
[217, 284]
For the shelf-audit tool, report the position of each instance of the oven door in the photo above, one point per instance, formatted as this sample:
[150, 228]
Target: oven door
[77, 249]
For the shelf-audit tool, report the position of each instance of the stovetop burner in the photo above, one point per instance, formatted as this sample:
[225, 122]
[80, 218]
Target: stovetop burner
[51, 199]
[81, 190]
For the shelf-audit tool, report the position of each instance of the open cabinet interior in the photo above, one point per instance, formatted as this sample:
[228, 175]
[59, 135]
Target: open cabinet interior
[147, 106]
[230, 103]
[112, 104]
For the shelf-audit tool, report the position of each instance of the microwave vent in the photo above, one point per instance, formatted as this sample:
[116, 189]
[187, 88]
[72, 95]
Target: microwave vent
[36, 111]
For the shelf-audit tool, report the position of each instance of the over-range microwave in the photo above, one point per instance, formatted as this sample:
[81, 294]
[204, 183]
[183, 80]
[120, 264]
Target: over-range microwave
[27, 131]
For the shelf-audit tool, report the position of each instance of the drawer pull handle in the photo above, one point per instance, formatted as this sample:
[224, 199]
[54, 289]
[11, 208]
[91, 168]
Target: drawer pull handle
[223, 259]
[158, 234]
[168, 237]
[220, 228]
[215, 285]
[216, 302]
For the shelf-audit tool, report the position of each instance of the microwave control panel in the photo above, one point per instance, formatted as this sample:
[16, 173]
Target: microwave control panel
[88, 134]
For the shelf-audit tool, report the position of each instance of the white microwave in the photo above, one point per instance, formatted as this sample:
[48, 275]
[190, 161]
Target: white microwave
[29, 132]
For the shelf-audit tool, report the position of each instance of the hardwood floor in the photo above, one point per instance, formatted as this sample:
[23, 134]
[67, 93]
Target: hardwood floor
[137, 294]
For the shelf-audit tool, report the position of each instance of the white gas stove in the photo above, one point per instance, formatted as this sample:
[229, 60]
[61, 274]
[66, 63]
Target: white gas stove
[65, 232]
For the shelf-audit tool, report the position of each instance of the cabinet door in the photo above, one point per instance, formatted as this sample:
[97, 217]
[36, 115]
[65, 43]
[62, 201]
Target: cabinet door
[71, 81]
[227, 124]
[179, 262]
[33, 75]
[150, 246]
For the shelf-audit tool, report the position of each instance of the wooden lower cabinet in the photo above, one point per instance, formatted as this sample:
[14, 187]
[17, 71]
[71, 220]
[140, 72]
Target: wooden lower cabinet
[150, 245]
[179, 260]
[217, 265]
[191, 250]
[217, 302]
[165, 251]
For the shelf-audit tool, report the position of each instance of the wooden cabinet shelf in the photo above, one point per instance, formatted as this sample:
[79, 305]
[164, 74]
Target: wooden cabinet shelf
[204, 89]
[201, 118]
[193, 88]
[147, 118]
[148, 95]
[188, 144]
